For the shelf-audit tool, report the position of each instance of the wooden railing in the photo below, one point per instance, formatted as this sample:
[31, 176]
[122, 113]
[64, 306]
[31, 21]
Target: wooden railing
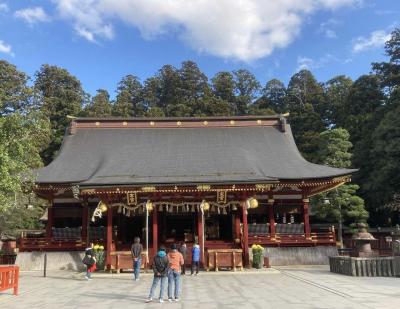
[34, 244]
[9, 276]
[281, 240]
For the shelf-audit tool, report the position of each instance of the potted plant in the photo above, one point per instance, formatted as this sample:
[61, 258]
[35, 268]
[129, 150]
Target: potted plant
[258, 255]
[99, 254]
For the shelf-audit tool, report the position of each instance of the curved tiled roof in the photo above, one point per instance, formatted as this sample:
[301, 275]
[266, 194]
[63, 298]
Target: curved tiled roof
[135, 154]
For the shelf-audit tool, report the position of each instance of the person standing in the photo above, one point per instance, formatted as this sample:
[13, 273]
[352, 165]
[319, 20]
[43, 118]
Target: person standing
[136, 250]
[160, 270]
[175, 262]
[195, 259]
[90, 262]
[183, 251]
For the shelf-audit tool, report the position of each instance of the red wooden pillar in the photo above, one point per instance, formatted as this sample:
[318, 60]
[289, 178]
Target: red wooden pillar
[85, 218]
[50, 221]
[271, 217]
[109, 237]
[237, 224]
[155, 230]
[245, 235]
[200, 235]
[306, 219]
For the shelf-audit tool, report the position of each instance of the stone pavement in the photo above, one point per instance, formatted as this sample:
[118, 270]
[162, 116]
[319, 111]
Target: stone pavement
[285, 287]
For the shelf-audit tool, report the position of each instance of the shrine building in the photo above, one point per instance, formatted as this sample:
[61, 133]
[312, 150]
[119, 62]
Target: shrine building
[222, 182]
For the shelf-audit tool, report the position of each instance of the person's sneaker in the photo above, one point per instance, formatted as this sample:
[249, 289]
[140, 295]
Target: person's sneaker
[161, 300]
[149, 300]
[90, 279]
[137, 279]
[170, 300]
[176, 299]
[197, 274]
[86, 277]
[191, 274]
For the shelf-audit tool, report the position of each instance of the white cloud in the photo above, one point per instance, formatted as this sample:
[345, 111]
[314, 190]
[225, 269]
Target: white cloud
[375, 39]
[32, 15]
[6, 48]
[326, 28]
[305, 63]
[4, 7]
[244, 30]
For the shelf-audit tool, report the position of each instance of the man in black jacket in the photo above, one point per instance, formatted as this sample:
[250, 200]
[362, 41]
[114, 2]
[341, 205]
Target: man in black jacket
[136, 250]
[160, 269]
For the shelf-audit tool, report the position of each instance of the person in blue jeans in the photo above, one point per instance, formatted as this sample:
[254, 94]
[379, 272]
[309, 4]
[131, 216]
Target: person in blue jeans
[136, 250]
[175, 267]
[195, 259]
[160, 270]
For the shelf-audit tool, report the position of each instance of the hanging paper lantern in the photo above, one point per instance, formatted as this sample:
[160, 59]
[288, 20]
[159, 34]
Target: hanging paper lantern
[102, 206]
[204, 205]
[149, 205]
[251, 203]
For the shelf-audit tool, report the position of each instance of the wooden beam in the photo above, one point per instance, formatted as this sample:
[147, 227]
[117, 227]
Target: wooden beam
[50, 221]
[200, 235]
[109, 237]
[245, 241]
[155, 231]
[271, 217]
[306, 218]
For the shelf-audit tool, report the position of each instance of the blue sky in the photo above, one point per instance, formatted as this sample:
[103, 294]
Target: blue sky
[100, 41]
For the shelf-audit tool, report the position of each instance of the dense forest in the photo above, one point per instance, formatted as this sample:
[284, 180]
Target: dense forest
[340, 122]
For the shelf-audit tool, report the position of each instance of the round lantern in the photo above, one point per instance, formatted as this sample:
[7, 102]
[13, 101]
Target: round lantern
[149, 205]
[205, 205]
[102, 206]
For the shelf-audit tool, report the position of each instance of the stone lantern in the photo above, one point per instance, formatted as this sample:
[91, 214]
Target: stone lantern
[362, 240]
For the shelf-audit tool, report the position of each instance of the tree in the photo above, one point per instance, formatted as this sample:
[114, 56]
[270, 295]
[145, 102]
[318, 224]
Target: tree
[246, 90]
[129, 101]
[389, 72]
[58, 94]
[382, 182]
[15, 94]
[336, 91]
[304, 100]
[273, 96]
[22, 138]
[100, 106]
[163, 90]
[334, 151]
[223, 86]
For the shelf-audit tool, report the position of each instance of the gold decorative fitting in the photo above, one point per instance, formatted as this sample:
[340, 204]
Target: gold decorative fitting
[232, 122]
[178, 123]
[124, 123]
[306, 200]
[149, 189]
[259, 121]
[97, 123]
[205, 123]
[175, 188]
[152, 123]
[117, 189]
[263, 187]
[271, 201]
[88, 191]
[203, 187]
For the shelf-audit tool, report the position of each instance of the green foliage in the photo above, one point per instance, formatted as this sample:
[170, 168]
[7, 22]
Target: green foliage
[335, 151]
[100, 106]
[129, 102]
[58, 94]
[246, 89]
[15, 95]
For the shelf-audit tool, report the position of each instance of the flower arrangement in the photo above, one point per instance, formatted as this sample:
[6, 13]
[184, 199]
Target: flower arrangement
[257, 251]
[99, 254]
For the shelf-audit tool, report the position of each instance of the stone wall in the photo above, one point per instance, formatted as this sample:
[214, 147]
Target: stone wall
[387, 266]
[285, 256]
[62, 260]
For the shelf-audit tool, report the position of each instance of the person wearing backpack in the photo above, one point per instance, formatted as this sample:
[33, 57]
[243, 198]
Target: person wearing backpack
[89, 260]
[160, 270]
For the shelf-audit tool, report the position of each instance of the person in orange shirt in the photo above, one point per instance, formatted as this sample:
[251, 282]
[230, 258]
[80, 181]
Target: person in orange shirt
[175, 263]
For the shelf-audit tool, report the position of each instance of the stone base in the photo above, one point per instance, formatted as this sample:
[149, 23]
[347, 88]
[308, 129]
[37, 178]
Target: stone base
[365, 267]
[61, 260]
[284, 256]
